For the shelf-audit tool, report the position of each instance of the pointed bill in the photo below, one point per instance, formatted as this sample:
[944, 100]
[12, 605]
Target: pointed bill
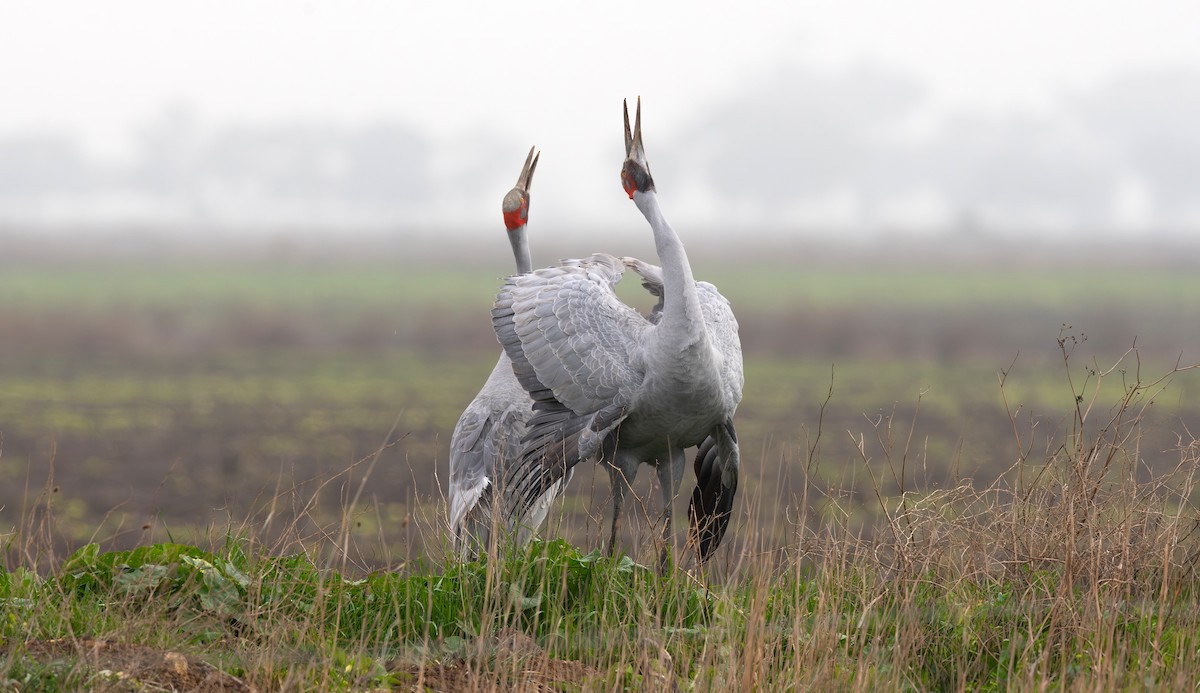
[635, 172]
[629, 138]
[633, 142]
[516, 202]
[525, 180]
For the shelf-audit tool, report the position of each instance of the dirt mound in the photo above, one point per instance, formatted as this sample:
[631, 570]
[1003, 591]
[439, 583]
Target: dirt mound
[512, 661]
[123, 667]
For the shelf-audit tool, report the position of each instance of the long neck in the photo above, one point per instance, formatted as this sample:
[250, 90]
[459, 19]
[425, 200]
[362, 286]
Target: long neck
[681, 314]
[520, 246]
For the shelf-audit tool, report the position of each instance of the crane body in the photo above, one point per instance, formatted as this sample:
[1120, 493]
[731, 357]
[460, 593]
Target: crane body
[610, 384]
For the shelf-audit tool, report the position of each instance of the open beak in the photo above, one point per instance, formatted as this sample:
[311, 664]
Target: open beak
[633, 143]
[525, 180]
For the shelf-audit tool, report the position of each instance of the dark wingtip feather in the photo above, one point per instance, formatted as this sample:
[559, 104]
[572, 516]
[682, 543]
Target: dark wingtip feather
[709, 514]
[550, 451]
[711, 505]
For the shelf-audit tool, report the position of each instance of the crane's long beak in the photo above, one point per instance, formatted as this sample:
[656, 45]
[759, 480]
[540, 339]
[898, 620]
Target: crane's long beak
[525, 180]
[633, 143]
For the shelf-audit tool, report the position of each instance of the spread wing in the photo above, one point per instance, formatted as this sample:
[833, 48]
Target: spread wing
[488, 433]
[469, 463]
[567, 332]
[652, 281]
[576, 348]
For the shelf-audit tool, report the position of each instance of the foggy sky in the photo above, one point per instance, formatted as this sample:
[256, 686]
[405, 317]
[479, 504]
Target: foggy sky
[857, 118]
[794, 149]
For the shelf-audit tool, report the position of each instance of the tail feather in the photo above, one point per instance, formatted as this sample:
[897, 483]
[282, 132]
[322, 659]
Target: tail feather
[551, 451]
[711, 506]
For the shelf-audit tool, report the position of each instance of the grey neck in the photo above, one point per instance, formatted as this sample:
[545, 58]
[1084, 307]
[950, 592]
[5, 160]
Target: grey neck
[681, 306]
[520, 246]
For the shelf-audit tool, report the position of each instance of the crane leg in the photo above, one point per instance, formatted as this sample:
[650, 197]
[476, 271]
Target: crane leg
[670, 476]
[618, 490]
[621, 471]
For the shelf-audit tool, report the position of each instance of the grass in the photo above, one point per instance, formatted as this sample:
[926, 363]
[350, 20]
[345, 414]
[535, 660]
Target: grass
[770, 285]
[1077, 569]
[782, 287]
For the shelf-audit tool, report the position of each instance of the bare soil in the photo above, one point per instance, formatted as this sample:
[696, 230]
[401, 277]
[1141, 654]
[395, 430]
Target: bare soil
[114, 666]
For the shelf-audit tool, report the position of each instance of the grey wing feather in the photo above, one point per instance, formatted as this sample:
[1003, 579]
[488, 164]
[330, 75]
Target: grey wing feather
[723, 331]
[470, 462]
[718, 317]
[652, 281]
[575, 347]
[567, 332]
[717, 457]
[488, 433]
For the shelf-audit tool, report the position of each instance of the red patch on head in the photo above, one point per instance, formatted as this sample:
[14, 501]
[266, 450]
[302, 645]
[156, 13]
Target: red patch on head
[518, 217]
[627, 183]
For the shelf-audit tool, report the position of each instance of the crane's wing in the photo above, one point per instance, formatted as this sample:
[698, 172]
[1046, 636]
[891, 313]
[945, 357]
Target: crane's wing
[718, 317]
[471, 460]
[488, 433]
[652, 281]
[567, 332]
[716, 466]
[717, 456]
[723, 331]
[576, 348]
[469, 463]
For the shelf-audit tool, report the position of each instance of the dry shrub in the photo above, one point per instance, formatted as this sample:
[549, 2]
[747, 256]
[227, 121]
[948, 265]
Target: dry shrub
[1078, 564]
[1091, 511]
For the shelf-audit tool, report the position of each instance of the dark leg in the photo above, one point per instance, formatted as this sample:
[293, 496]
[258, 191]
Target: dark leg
[620, 474]
[670, 475]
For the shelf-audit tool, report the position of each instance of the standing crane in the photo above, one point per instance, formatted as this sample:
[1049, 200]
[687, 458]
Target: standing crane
[488, 434]
[608, 383]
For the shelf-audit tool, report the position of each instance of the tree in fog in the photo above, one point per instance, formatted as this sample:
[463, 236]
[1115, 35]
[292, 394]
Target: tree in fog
[1018, 171]
[297, 170]
[386, 166]
[36, 165]
[1148, 118]
[797, 133]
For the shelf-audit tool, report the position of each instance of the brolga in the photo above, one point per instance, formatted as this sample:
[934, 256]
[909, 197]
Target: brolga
[489, 432]
[610, 384]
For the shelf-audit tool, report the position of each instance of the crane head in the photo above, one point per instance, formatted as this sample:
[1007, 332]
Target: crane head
[635, 173]
[516, 202]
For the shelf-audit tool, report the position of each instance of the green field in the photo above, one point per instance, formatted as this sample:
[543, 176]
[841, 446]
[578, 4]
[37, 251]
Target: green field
[304, 409]
[180, 393]
[773, 286]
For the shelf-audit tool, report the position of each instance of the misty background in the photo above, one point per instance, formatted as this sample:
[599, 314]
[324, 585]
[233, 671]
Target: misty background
[241, 245]
[837, 121]
[798, 149]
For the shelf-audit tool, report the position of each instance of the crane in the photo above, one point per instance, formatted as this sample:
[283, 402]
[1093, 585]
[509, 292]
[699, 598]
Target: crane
[489, 431]
[608, 383]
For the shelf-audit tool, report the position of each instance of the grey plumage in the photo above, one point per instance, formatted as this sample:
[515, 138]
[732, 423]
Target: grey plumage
[608, 383]
[487, 437]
